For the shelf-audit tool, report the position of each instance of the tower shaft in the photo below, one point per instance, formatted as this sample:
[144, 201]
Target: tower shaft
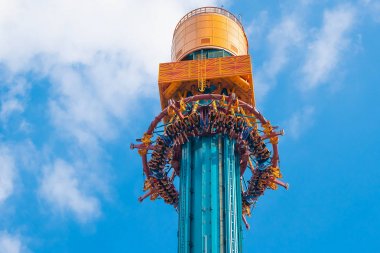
[210, 196]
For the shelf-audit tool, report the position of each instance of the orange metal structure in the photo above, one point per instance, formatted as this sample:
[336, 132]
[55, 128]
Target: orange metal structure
[205, 28]
[233, 73]
[208, 27]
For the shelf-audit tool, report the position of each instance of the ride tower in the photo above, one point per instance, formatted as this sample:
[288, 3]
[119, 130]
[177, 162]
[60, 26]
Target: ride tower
[209, 135]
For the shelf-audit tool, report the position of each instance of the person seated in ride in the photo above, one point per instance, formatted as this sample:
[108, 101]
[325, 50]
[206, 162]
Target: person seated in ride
[177, 126]
[195, 118]
[167, 140]
[158, 175]
[180, 131]
[154, 161]
[246, 132]
[257, 141]
[186, 124]
[216, 121]
[266, 154]
[170, 131]
[194, 124]
[174, 130]
[238, 127]
[263, 153]
[203, 123]
[190, 128]
[211, 115]
[159, 142]
[159, 148]
[228, 124]
[221, 122]
[152, 164]
[253, 135]
[157, 155]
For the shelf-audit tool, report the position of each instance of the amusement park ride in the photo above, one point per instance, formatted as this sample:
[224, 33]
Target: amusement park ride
[209, 134]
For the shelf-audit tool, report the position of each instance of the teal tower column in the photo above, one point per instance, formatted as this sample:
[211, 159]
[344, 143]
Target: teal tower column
[210, 196]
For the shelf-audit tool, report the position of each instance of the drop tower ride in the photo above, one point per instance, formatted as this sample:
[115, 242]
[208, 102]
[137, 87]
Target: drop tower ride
[209, 137]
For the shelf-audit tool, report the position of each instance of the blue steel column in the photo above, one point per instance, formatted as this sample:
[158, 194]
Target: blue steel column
[210, 202]
[231, 182]
[215, 207]
[184, 206]
[196, 230]
[239, 215]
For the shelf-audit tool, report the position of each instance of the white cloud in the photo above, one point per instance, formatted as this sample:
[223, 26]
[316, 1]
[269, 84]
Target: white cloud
[373, 8]
[7, 173]
[299, 122]
[284, 37]
[88, 104]
[12, 96]
[325, 53]
[9, 243]
[97, 57]
[257, 28]
[72, 31]
[62, 189]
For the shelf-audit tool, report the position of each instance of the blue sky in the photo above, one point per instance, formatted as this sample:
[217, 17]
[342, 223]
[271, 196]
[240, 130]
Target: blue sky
[78, 83]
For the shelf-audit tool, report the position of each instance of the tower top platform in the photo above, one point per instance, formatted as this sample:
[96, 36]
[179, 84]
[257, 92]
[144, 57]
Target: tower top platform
[209, 55]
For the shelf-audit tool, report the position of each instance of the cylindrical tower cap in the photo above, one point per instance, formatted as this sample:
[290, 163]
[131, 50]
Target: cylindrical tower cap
[208, 27]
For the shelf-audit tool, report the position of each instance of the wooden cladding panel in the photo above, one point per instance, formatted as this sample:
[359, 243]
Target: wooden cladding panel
[210, 69]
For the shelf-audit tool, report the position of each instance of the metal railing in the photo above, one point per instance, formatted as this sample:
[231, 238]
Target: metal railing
[203, 10]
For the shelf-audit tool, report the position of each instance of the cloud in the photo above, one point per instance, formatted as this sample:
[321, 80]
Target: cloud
[325, 52]
[91, 104]
[373, 8]
[65, 34]
[12, 96]
[7, 173]
[99, 57]
[62, 189]
[9, 243]
[299, 122]
[309, 54]
[70, 32]
[257, 27]
[284, 37]
[93, 59]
